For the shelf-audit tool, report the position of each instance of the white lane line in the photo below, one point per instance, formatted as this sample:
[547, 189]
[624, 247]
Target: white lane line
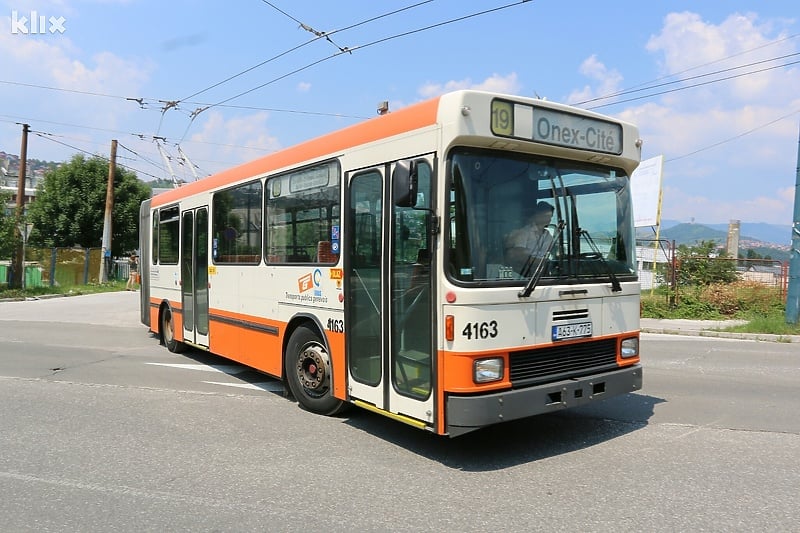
[269, 386]
[223, 369]
[231, 370]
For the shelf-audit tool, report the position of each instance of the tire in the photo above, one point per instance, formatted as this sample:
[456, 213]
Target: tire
[308, 372]
[168, 332]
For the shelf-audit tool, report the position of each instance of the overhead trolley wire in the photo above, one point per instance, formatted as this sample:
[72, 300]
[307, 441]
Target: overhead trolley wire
[709, 82]
[735, 137]
[50, 137]
[290, 50]
[683, 80]
[366, 45]
[672, 75]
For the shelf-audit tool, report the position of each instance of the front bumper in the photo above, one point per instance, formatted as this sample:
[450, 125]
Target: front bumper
[468, 413]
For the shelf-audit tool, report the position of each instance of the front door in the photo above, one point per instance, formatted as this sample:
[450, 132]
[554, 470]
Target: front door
[389, 313]
[194, 275]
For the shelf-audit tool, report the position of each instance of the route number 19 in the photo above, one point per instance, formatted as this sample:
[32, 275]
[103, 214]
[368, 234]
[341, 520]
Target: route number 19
[502, 118]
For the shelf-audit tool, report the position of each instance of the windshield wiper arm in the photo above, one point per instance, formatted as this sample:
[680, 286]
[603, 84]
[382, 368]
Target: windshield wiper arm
[537, 272]
[615, 286]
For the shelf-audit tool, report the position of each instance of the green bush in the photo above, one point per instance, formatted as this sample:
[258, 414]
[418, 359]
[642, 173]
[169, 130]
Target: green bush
[762, 306]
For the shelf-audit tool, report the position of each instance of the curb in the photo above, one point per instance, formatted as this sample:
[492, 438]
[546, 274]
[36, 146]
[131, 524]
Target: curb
[34, 298]
[764, 337]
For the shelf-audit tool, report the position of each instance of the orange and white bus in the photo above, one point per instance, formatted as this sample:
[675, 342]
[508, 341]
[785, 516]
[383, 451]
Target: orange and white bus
[369, 266]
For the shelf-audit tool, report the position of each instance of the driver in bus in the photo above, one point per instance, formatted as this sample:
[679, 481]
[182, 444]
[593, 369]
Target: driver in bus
[532, 241]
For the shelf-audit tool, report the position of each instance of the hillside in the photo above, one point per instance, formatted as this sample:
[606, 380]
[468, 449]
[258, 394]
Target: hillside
[753, 231]
[691, 234]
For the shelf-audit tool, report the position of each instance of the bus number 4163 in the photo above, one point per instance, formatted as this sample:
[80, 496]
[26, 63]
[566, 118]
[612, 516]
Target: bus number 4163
[480, 330]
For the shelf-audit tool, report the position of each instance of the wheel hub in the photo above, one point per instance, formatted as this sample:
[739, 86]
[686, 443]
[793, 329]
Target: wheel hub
[312, 369]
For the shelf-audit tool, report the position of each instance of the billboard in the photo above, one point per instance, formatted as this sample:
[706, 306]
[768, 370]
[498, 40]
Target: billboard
[646, 192]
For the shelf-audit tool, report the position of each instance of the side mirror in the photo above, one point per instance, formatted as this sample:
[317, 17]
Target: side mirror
[404, 184]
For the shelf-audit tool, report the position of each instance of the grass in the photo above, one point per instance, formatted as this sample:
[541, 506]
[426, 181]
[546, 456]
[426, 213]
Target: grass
[774, 324]
[76, 290]
[763, 307]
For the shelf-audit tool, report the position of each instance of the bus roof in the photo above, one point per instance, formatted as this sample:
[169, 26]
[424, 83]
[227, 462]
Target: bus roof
[406, 119]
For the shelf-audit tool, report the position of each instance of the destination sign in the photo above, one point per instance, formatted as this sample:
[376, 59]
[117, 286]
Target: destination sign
[552, 126]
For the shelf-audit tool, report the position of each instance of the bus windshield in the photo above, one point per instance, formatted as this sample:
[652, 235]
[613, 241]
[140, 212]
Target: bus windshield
[514, 216]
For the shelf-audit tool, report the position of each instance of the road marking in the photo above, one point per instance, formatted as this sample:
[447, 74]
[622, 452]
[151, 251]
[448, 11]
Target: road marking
[223, 369]
[231, 370]
[269, 386]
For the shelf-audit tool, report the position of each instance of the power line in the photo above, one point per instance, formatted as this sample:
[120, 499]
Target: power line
[147, 101]
[378, 41]
[62, 89]
[48, 137]
[683, 80]
[140, 156]
[726, 78]
[290, 50]
[142, 136]
[672, 75]
[738, 136]
[306, 27]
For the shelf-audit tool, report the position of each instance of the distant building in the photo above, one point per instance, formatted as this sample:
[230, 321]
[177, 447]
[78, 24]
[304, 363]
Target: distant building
[651, 261]
[9, 181]
[771, 274]
[9, 185]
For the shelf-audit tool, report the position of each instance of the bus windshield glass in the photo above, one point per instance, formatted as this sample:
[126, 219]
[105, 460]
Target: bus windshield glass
[513, 216]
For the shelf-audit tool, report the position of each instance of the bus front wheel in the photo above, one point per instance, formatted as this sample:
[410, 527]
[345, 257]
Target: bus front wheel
[168, 332]
[308, 371]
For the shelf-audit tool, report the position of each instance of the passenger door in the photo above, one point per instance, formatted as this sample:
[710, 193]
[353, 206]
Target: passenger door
[194, 275]
[389, 313]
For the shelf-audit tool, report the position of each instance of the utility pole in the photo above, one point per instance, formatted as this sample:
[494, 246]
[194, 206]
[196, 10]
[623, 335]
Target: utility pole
[793, 291]
[106, 245]
[18, 278]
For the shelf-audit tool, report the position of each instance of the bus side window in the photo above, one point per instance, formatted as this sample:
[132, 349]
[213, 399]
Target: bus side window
[303, 210]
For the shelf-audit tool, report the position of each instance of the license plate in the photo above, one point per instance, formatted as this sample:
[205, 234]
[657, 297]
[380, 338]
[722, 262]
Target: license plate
[572, 331]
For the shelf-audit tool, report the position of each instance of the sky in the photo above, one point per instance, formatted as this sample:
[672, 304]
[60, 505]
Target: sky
[713, 86]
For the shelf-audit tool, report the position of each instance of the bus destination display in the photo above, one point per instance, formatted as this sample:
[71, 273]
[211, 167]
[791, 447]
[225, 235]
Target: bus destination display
[551, 126]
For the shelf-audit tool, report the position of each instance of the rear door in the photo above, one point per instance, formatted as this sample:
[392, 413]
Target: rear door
[194, 275]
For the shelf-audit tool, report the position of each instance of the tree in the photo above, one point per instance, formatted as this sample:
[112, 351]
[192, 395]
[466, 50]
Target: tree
[70, 206]
[702, 265]
[7, 241]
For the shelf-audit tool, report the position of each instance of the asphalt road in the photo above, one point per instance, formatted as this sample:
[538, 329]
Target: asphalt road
[102, 429]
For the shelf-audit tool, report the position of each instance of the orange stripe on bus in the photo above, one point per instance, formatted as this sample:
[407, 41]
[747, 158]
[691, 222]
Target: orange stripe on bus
[251, 342]
[406, 119]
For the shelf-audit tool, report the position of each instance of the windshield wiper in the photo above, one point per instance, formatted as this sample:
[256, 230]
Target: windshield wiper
[615, 286]
[537, 272]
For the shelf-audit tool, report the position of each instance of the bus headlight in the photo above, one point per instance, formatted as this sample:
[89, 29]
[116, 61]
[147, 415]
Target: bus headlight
[486, 370]
[629, 348]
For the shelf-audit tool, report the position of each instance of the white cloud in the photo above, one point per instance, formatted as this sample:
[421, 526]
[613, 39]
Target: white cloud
[233, 140]
[692, 47]
[683, 206]
[607, 81]
[729, 147]
[496, 82]
[303, 87]
[54, 61]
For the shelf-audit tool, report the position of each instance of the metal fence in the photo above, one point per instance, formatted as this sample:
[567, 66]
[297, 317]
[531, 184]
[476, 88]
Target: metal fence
[659, 265]
[64, 267]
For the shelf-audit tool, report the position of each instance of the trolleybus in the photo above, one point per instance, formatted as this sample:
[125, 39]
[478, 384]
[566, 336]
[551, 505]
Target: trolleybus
[370, 266]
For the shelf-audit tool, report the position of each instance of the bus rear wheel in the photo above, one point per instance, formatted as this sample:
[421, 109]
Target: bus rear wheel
[308, 371]
[168, 332]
